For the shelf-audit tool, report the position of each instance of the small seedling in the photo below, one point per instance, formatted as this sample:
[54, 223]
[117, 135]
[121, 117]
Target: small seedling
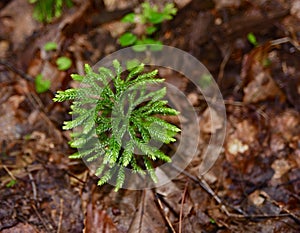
[49, 46]
[41, 85]
[63, 63]
[11, 183]
[149, 20]
[116, 119]
[46, 10]
[252, 39]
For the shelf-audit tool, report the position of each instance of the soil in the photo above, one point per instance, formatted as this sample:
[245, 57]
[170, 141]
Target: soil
[254, 186]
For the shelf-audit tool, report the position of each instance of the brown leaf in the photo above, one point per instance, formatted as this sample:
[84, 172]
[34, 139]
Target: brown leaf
[258, 84]
[206, 123]
[148, 218]
[22, 228]
[97, 221]
[18, 23]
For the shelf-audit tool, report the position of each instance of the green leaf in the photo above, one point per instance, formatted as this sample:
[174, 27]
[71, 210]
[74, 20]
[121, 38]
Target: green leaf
[50, 46]
[130, 64]
[63, 63]
[139, 47]
[129, 18]
[252, 39]
[127, 39]
[150, 30]
[156, 17]
[11, 183]
[41, 85]
[169, 10]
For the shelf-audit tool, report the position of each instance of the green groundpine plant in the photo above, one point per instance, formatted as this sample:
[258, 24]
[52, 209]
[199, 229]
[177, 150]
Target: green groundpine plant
[116, 118]
[46, 10]
[144, 25]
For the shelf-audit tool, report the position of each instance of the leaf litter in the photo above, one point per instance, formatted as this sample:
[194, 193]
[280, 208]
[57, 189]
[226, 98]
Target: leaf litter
[253, 187]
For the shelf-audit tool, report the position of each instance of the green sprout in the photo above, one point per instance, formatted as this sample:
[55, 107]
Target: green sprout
[49, 46]
[150, 18]
[46, 10]
[252, 39]
[63, 63]
[116, 118]
[41, 85]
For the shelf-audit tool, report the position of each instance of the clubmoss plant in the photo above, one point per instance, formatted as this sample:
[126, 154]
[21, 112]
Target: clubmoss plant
[117, 119]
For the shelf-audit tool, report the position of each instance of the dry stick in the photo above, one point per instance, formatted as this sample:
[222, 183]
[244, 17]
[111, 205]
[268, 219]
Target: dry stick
[40, 217]
[241, 214]
[16, 70]
[181, 207]
[223, 64]
[33, 186]
[292, 215]
[206, 187]
[163, 213]
[9, 172]
[142, 210]
[61, 211]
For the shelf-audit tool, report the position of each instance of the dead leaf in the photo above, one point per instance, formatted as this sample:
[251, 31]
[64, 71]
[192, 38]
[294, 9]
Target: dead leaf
[97, 221]
[18, 23]
[295, 8]
[22, 228]
[148, 218]
[9, 122]
[287, 124]
[256, 198]
[206, 123]
[258, 84]
[280, 167]
[242, 135]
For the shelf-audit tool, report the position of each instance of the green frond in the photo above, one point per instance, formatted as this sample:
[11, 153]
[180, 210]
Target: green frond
[106, 177]
[160, 134]
[135, 71]
[117, 80]
[162, 123]
[84, 117]
[149, 107]
[163, 111]
[142, 83]
[146, 76]
[81, 154]
[88, 69]
[136, 168]
[100, 169]
[112, 152]
[90, 124]
[77, 77]
[127, 153]
[103, 127]
[147, 150]
[106, 72]
[162, 156]
[141, 129]
[69, 94]
[150, 169]
[120, 178]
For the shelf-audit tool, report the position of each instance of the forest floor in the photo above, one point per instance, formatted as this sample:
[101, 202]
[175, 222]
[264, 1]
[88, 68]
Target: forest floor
[254, 186]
